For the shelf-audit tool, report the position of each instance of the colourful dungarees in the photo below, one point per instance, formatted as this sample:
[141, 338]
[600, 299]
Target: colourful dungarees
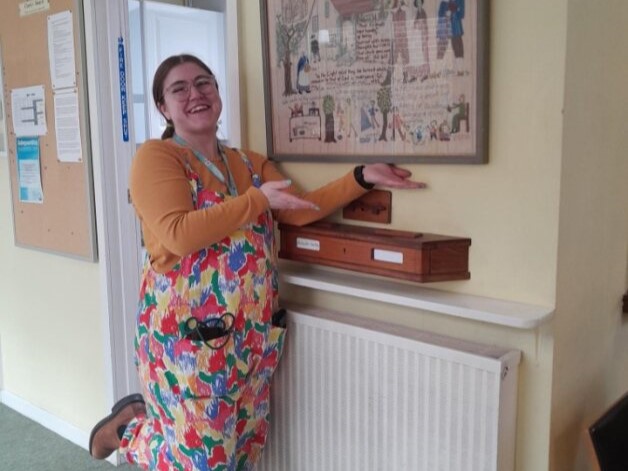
[207, 409]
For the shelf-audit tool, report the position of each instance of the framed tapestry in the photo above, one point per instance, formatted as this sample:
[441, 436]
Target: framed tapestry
[376, 80]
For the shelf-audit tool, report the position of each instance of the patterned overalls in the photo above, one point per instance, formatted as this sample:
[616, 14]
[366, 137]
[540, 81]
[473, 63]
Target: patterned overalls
[207, 409]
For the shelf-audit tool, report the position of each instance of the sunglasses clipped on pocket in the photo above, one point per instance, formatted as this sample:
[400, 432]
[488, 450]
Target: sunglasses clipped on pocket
[213, 332]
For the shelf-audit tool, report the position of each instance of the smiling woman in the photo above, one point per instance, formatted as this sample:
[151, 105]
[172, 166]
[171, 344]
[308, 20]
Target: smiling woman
[186, 93]
[207, 214]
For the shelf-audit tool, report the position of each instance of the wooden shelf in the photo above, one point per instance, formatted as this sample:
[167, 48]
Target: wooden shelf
[478, 308]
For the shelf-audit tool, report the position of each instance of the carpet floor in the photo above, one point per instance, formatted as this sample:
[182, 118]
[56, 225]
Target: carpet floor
[27, 446]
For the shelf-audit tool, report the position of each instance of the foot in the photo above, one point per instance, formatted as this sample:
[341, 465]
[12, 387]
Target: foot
[106, 435]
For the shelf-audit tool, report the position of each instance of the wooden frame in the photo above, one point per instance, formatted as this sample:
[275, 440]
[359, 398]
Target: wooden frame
[385, 80]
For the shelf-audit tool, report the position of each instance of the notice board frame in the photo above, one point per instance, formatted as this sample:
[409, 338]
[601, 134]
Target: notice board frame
[64, 224]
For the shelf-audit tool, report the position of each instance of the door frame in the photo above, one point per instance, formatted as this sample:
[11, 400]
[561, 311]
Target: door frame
[119, 238]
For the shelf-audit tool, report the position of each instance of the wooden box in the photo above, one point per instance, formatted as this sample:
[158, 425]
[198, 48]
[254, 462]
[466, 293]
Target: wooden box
[396, 254]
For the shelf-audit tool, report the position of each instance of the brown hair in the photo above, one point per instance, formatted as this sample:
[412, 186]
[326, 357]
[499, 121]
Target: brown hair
[160, 76]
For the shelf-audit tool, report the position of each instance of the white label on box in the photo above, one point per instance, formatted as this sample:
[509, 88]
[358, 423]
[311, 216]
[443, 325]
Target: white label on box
[387, 256]
[308, 244]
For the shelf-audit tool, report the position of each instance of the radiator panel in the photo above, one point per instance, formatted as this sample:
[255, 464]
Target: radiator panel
[353, 395]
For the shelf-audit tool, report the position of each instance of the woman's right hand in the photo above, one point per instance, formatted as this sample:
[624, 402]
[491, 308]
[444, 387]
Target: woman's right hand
[281, 199]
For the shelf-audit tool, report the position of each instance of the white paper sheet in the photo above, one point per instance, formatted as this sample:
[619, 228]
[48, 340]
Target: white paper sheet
[28, 106]
[67, 126]
[61, 50]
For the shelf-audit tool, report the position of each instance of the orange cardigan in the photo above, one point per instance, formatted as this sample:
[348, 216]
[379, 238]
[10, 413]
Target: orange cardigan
[172, 228]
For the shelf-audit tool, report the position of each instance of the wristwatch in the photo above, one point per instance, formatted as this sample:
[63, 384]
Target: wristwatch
[359, 177]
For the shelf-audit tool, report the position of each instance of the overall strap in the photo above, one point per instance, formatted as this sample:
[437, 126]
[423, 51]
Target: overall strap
[228, 180]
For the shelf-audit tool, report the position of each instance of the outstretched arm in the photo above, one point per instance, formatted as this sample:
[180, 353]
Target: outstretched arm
[292, 206]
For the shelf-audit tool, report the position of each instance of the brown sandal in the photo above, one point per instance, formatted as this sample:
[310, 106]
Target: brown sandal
[105, 436]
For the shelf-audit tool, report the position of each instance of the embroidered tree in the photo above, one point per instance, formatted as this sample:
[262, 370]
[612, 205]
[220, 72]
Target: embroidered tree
[290, 31]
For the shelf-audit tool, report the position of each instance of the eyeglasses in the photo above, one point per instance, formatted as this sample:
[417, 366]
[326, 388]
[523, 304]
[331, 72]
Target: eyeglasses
[213, 332]
[180, 91]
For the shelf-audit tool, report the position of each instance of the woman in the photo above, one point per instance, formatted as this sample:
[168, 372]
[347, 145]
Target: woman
[206, 345]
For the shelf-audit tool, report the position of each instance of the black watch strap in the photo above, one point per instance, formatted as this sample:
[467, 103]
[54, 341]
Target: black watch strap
[359, 177]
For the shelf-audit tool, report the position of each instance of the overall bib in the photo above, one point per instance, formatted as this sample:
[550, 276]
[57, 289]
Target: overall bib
[207, 409]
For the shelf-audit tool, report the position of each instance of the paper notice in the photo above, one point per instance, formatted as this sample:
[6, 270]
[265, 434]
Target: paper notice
[67, 126]
[61, 50]
[28, 108]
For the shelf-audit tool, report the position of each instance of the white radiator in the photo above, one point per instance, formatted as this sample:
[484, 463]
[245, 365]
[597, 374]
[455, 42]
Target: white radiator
[351, 394]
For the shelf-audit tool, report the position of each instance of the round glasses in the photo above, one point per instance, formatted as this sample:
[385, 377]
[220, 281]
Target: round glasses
[180, 91]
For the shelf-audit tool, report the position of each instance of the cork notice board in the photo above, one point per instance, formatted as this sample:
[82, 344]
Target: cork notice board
[63, 222]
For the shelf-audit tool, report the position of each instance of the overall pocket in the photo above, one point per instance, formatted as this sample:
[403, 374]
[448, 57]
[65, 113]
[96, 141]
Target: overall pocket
[273, 350]
[270, 357]
[203, 372]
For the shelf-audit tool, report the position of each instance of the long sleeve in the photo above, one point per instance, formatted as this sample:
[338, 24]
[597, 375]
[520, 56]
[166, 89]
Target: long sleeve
[328, 198]
[161, 194]
[171, 226]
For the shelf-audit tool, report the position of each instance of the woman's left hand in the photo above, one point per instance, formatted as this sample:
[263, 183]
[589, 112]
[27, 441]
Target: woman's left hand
[390, 176]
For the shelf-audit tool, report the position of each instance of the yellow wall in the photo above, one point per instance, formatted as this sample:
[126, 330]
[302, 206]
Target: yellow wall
[510, 207]
[538, 174]
[547, 217]
[591, 340]
[51, 336]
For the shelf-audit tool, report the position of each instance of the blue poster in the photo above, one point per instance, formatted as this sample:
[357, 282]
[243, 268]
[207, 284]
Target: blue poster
[29, 170]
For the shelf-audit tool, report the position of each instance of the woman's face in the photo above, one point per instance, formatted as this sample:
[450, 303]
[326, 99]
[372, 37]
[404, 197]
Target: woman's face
[191, 100]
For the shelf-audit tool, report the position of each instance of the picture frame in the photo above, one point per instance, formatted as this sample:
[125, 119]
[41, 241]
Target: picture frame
[397, 81]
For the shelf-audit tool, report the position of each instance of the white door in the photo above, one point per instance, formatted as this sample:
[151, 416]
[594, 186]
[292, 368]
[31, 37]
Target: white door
[159, 30]
[127, 40]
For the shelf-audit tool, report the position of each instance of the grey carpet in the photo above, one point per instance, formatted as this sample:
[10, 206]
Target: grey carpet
[27, 446]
